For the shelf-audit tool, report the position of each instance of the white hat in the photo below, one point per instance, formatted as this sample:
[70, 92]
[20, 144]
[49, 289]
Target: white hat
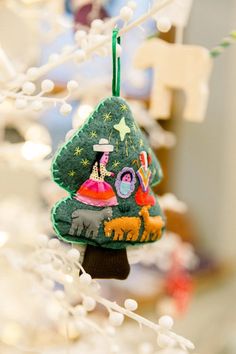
[103, 146]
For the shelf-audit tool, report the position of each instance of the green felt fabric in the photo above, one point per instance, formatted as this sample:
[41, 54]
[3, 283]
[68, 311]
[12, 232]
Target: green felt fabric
[72, 165]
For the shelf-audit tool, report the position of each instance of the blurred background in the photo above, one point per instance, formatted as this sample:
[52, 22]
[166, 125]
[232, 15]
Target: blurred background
[190, 273]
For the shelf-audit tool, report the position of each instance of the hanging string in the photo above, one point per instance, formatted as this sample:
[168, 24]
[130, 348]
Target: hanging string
[115, 63]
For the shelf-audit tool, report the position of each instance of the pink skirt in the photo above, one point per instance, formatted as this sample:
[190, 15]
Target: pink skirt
[97, 193]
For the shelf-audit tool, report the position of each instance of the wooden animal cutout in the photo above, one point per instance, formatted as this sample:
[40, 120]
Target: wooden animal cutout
[88, 219]
[152, 225]
[120, 226]
[176, 66]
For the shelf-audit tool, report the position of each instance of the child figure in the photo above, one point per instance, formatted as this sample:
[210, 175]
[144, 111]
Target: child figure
[125, 182]
[95, 191]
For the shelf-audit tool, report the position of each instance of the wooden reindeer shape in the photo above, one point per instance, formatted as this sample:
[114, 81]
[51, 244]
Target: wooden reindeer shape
[152, 225]
[176, 66]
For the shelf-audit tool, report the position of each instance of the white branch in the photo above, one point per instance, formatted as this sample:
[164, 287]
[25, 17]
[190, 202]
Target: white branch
[71, 54]
[183, 342]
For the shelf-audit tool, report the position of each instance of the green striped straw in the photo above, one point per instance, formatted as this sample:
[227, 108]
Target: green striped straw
[225, 43]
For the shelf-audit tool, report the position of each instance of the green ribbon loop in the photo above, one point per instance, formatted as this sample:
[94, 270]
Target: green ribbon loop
[115, 64]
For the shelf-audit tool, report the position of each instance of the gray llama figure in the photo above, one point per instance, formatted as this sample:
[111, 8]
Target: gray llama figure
[88, 219]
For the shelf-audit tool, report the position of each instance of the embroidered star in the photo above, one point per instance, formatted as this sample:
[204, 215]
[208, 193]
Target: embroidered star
[93, 134]
[78, 151]
[71, 173]
[123, 107]
[141, 143]
[85, 162]
[115, 164]
[107, 116]
[122, 128]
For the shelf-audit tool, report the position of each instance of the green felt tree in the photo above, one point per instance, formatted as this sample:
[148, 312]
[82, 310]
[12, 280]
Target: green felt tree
[109, 170]
[111, 131]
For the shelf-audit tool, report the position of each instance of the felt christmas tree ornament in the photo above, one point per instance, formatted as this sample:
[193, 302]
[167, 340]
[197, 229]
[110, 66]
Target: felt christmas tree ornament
[109, 170]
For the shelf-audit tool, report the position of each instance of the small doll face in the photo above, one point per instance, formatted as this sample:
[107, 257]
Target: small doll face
[126, 178]
[105, 158]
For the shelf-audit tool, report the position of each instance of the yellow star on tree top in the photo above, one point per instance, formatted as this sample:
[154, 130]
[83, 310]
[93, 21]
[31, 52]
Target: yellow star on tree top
[107, 116]
[71, 173]
[78, 151]
[122, 128]
[85, 162]
[123, 107]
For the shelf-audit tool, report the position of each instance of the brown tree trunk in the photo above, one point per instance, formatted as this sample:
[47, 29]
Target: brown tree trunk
[106, 263]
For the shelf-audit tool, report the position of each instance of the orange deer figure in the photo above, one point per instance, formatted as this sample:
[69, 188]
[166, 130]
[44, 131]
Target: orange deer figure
[152, 225]
[120, 226]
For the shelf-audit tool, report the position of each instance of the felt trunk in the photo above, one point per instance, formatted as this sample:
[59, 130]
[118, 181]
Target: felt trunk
[102, 262]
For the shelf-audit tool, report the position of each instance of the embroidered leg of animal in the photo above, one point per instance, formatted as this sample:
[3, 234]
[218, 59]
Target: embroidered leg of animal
[118, 236]
[73, 227]
[91, 231]
[80, 229]
[145, 236]
[158, 225]
[134, 232]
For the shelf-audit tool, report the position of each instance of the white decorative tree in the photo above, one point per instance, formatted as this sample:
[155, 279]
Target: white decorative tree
[47, 299]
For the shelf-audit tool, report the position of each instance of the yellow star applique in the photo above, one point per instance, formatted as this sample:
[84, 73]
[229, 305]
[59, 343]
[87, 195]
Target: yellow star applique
[123, 107]
[115, 164]
[122, 128]
[85, 162]
[71, 173]
[107, 117]
[78, 151]
[93, 134]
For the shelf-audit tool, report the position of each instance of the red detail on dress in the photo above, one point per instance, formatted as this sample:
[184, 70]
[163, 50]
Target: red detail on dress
[144, 198]
[97, 193]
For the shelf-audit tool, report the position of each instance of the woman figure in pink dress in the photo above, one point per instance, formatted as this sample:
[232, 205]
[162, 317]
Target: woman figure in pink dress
[95, 191]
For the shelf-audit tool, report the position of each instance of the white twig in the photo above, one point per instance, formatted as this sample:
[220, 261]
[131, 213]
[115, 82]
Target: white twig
[71, 53]
[143, 321]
